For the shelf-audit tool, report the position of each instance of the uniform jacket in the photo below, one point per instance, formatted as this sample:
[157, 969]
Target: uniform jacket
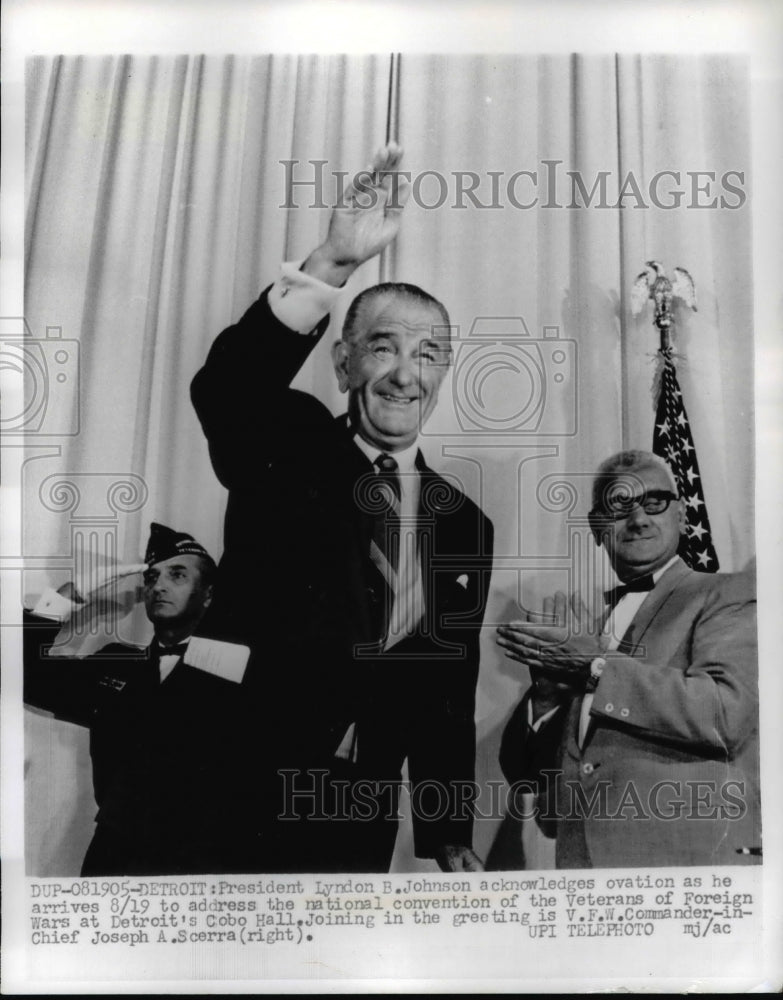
[670, 760]
[162, 754]
[297, 585]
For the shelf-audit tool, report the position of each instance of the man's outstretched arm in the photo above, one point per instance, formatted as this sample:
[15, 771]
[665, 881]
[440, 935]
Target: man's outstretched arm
[63, 685]
[238, 394]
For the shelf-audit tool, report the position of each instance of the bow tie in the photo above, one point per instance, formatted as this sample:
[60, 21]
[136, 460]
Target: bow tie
[633, 586]
[176, 650]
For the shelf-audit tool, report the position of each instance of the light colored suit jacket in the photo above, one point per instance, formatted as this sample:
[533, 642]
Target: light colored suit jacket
[668, 772]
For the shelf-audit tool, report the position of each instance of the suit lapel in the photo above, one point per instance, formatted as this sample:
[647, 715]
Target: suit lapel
[144, 678]
[367, 582]
[572, 729]
[437, 527]
[354, 465]
[652, 606]
[438, 500]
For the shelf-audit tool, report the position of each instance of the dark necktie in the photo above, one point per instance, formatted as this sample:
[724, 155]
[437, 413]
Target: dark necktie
[616, 594]
[385, 543]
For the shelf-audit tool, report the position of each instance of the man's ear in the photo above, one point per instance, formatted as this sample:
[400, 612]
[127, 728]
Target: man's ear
[208, 593]
[682, 517]
[340, 362]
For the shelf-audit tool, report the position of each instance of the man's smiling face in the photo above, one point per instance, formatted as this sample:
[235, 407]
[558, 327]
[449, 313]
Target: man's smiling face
[392, 368]
[641, 543]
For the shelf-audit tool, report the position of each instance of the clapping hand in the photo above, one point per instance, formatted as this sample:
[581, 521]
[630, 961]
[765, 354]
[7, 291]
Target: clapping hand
[558, 654]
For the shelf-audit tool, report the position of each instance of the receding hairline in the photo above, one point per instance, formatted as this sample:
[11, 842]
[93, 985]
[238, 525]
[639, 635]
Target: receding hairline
[393, 290]
[626, 463]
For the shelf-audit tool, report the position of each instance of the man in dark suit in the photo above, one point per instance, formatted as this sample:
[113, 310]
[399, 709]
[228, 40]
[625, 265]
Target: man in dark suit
[357, 575]
[160, 727]
[641, 737]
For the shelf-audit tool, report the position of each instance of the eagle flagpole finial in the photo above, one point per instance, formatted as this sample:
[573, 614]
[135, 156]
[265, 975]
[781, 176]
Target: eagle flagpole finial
[653, 284]
[672, 438]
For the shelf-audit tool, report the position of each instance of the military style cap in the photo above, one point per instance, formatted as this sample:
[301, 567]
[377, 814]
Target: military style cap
[165, 543]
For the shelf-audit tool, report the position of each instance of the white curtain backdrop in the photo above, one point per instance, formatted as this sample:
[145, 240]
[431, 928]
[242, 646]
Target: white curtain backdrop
[156, 194]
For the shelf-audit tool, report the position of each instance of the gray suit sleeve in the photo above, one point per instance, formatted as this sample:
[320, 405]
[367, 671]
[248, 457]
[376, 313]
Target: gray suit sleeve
[711, 704]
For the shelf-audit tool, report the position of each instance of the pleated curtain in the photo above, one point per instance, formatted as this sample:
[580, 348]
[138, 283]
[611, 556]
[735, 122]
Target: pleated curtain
[159, 204]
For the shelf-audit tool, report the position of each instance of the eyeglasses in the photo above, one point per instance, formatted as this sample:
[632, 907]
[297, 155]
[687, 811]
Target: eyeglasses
[619, 507]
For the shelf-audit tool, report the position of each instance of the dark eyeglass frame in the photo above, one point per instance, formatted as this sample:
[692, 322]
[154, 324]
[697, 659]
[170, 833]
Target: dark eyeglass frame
[652, 503]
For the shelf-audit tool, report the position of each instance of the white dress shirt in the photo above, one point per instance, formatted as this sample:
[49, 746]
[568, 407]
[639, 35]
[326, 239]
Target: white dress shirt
[300, 301]
[616, 625]
[168, 661]
[408, 608]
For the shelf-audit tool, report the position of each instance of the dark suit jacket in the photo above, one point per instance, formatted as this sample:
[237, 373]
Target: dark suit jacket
[671, 755]
[297, 585]
[162, 753]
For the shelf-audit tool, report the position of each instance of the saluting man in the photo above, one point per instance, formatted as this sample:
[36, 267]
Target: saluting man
[160, 727]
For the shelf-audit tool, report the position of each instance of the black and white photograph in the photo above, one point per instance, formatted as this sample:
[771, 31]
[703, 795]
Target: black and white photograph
[387, 450]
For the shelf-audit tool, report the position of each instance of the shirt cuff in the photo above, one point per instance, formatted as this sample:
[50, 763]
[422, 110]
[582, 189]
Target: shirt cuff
[300, 301]
[55, 606]
[535, 726]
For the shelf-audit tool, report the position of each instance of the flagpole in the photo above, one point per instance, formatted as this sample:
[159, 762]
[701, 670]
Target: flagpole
[386, 268]
[672, 438]
[664, 324]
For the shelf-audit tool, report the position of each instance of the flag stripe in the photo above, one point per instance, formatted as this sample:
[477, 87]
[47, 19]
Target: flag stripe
[673, 441]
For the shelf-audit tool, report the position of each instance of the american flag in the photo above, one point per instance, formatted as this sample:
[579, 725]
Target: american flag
[672, 440]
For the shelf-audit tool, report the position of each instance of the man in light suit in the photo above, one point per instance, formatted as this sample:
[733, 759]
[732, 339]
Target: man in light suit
[641, 737]
[354, 573]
